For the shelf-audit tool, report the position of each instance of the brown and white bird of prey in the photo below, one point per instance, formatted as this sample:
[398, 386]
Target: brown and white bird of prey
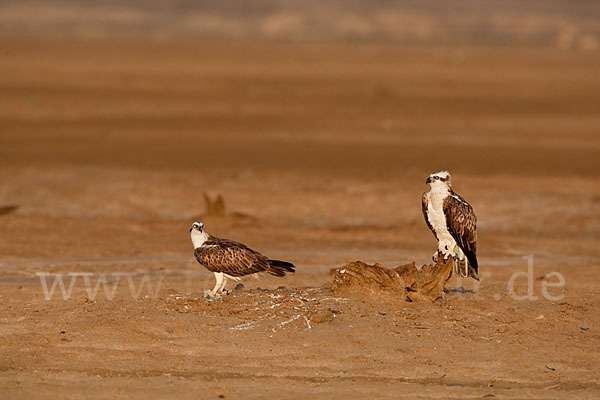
[231, 260]
[453, 223]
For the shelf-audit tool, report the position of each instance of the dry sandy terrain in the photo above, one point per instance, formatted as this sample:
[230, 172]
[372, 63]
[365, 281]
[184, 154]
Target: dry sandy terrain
[321, 153]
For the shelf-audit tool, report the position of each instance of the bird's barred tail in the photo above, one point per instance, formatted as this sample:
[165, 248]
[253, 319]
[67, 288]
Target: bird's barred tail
[279, 268]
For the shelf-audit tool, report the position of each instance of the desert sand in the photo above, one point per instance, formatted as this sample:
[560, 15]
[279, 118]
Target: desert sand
[320, 152]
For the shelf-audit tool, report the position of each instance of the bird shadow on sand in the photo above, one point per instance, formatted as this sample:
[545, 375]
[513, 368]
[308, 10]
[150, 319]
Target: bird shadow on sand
[459, 290]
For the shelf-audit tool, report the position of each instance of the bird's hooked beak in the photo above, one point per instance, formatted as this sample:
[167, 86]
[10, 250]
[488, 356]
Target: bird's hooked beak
[428, 180]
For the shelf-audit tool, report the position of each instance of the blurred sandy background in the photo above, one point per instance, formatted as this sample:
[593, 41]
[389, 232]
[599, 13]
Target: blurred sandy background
[565, 24]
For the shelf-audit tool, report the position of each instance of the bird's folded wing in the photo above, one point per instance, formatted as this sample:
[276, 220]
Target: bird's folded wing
[231, 258]
[461, 222]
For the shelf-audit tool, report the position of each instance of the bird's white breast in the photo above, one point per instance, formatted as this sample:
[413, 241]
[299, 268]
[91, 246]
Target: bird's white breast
[198, 238]
[435, 210]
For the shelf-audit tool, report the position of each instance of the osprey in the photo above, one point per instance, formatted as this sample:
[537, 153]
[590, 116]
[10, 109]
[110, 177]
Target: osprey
[453, 223]
[231, 260]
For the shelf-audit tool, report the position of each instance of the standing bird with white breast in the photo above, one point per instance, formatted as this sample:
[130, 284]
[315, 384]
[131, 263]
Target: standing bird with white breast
[453, 223]
[231, 260]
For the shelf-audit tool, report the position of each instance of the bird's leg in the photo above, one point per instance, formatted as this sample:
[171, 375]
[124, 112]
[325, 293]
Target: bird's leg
[457, 265]
[466, 266]
[219, 278]
[461, 262]
[455, 258]
[222, 289]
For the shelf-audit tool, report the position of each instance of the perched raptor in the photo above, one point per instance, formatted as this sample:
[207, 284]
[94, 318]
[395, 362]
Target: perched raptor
[453, 223]
[231, 260]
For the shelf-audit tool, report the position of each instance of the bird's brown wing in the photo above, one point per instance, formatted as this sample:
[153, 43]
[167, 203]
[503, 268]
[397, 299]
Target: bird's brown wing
[229, 257]
[462, 225]
[425, 207]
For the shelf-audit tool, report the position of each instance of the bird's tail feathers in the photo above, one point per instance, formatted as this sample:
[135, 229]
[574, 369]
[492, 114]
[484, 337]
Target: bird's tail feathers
[279, 268]
[473, 266]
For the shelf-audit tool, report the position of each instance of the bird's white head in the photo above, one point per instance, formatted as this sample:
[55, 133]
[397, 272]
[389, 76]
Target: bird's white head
[198, 234]
[439, 178]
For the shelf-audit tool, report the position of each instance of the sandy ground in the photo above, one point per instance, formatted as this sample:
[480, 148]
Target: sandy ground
[321, 153]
